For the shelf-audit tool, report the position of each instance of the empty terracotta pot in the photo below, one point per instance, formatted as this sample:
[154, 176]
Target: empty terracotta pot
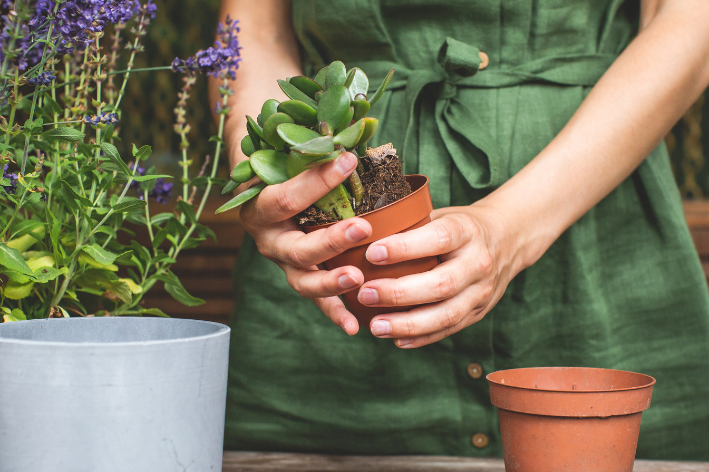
[411, 212]
[569, 419]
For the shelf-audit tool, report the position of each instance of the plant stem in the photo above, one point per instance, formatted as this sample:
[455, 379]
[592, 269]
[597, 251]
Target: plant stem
[136, 42]
[13, 108]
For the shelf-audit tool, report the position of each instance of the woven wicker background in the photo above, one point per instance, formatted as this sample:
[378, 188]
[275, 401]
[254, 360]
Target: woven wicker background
[184, 26]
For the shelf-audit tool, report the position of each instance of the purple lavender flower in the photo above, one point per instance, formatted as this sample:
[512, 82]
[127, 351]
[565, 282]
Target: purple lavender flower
[45, 78]
[12, 188]
[222, 59]
[162, 192]
[104, 118]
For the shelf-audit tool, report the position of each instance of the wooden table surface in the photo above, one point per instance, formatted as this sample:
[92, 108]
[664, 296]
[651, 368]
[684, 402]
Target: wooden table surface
[280, 462]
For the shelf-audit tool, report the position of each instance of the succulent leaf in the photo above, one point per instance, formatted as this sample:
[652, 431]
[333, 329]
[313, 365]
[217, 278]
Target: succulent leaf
[242, 172]
[301, 113]
[370, 127]
[316, 161]
[259, 120]
[334, 106]
[319, 95]
[336, 75]
[270, 166]
[269, 108]
[349, 137]
[255, 131]
[337, 202]
[361, 106]
[242, 198]
[294, 93]
[295, 134]
[316, 147]
[345, 123]
[230, 187]
[306, 85]
[381, 89]
[270, 129]
[320, 77]
[247, 145]
[357, 82]
[324, 129]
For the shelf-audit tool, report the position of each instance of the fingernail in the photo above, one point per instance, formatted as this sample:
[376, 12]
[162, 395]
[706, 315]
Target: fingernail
[346, 281]
[377, 253]
[404, 342]
[381, 328]
[368, 296]
[356, 233]
[346, 163]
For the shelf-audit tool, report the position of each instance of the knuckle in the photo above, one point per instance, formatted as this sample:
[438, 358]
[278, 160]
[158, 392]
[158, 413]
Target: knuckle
[410, 327]
[450, 316]
[483, 262]
[334, 244]
[292, 255]
[396, 295]
[446, 285]
[486, 294]
[448, 232]
[286, 203]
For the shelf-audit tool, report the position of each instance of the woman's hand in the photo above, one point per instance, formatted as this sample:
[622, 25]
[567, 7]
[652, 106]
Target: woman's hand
[268, 219]
[474, 272]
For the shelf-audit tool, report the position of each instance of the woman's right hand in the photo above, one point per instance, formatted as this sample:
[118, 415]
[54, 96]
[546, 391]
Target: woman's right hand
[269, 220]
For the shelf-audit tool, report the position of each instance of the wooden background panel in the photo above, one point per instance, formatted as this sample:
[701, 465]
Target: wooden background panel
[206, 271]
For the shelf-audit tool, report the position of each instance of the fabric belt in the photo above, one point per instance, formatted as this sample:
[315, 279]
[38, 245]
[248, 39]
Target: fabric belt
[458, 124]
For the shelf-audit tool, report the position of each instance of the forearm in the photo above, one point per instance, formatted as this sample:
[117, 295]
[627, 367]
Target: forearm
[623, 119]
[270, 52]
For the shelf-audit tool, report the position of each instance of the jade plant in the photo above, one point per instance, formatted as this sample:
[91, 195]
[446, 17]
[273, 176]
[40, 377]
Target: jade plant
[323, 117]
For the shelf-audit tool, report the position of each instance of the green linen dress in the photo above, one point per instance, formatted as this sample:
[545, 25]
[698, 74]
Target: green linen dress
[622, 288]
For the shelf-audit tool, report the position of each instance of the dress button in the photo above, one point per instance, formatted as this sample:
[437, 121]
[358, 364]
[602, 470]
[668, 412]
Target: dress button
[475, 370]
[480, 440]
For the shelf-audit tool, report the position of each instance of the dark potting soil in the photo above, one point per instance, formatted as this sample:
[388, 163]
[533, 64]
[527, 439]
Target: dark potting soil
[383, 182]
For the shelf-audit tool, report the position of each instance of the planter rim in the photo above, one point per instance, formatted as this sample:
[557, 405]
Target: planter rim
[416, 214]
[220, 330]
[497, 377]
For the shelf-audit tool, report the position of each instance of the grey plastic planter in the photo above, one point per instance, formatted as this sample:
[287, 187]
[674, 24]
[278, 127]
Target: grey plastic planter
[112, 394]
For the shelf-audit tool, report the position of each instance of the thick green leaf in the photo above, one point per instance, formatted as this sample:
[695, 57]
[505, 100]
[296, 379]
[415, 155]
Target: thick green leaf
[126, 206]
[18, 291]
[336, 75]
[247, 145]
[143, 153]
[15, 315]
[306, 85]
[230, 187]
[357, 82]
[350, 136]
[301, 113]
[370, 127]
[321, 76]
[296, 134]
[270, 166]
[318, 146]
[242, 172]
[381, 89]
[13, 260]
[270, 130]
[99, 254]
[63, 134]
[346, 122]
[112, 153]
[337, 203]
[255, 132]
[118, 289]
[269, 107]
[361, 107]
[334, 106]
[242, 198]
[294, 93]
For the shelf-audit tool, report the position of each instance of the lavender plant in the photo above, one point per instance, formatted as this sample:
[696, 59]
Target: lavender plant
[323, 117]
[66, 193]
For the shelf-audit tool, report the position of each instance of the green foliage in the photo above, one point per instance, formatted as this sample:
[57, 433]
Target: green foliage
[323, 117]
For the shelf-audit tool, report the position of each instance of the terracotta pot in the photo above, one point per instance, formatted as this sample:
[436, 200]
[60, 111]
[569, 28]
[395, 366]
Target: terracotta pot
[574, 419]
[411, 212]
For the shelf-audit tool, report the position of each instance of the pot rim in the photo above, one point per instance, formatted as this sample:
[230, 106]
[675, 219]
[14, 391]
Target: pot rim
[312, 228]
[650, 381]
[221, 330]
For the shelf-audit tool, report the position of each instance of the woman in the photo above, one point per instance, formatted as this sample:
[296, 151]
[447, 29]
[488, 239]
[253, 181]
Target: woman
[558, 221]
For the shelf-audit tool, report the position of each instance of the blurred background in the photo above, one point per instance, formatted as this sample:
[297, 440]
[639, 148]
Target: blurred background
[184, 26]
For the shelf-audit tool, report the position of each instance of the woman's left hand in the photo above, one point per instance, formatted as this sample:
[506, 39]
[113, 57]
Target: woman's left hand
[474, 272]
